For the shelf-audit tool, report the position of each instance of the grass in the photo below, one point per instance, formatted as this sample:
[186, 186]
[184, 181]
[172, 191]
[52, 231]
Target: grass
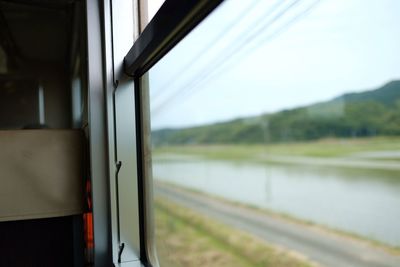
[185, 238]
[326, 148]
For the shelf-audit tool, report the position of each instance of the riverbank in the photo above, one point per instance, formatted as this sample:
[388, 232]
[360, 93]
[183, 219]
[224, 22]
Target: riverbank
[356, 148]
[186, 238]
[379, 153]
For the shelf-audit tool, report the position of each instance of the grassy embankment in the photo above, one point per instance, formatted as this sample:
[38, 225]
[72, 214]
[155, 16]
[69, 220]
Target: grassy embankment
[325, 148]
[185, 238]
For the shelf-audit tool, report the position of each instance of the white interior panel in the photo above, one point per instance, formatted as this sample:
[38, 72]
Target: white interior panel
[127, 186]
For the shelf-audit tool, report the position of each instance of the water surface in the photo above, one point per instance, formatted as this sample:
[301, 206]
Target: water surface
[361, 201]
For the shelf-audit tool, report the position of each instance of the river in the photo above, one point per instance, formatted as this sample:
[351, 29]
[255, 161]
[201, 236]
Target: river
[361, 201]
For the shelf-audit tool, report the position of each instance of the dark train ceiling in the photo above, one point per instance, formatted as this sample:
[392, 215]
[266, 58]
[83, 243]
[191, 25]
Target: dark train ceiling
[33, 30]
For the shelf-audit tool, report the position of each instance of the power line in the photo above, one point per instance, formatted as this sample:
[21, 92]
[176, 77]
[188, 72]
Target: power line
[261, 24]
[220, 69]
[222, 59]
[230, 49]
[189, 64]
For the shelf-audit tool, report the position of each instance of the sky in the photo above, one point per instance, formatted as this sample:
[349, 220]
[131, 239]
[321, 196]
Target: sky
[261, 56]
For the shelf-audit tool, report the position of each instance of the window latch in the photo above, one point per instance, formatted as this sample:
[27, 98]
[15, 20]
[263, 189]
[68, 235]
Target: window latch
[122, 245]
[120, 249]
[118, 166]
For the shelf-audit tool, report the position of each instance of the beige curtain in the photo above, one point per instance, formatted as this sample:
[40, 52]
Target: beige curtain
[40, 173]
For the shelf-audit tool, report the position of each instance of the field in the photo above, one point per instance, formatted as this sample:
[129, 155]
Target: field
[325, 148]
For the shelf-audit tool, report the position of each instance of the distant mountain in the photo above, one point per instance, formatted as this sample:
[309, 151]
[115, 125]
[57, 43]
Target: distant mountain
[387, 95]
[369, 113]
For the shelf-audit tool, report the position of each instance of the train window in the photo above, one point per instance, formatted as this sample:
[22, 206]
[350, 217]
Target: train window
[275, 129]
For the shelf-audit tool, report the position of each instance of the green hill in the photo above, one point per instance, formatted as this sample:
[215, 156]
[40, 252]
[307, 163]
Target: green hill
[370, 113]
[387, 95]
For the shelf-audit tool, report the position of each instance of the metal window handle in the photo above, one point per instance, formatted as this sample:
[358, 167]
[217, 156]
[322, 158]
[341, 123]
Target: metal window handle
[120, 250]
[121, 246]
[118, 165]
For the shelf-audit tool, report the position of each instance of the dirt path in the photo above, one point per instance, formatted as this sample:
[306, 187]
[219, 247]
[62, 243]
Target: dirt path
[326, 249]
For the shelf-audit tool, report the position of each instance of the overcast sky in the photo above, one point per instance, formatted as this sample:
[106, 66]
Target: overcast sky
[252, 57]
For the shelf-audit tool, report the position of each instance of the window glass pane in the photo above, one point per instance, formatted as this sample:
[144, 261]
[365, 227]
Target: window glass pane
[275, 132]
